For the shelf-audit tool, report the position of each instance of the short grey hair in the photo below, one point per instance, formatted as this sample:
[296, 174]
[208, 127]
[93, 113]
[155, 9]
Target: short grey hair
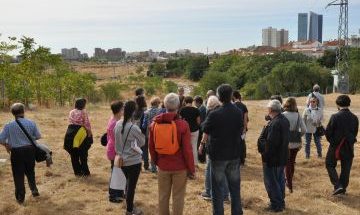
[316, 87]
[17, 109]
[275, 106]
[171, 102]
[213, 102]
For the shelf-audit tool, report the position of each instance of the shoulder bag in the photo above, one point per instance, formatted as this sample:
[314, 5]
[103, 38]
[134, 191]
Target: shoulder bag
[295, 136]
[40, 154]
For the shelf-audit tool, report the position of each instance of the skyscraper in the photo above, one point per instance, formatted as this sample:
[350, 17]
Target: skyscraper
[274, 38]
[302, 26]
[315, 27]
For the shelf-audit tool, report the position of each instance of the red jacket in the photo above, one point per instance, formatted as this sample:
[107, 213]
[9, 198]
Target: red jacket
[181, 160]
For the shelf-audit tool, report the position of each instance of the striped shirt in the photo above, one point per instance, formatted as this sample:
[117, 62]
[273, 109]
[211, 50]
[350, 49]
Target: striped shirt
[15, 137]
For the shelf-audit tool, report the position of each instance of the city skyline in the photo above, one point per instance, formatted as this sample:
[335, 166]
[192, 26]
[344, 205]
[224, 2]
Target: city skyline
[141, 25]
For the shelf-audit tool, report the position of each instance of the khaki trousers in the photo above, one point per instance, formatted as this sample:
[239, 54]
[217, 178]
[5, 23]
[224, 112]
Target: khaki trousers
[172, 182]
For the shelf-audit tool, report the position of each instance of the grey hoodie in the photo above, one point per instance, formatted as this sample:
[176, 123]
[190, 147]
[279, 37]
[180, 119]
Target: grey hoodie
[128, 154]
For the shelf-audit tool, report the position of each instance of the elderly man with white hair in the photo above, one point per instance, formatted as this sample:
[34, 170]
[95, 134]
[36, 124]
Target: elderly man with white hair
[316, 94]
[273, 146]
[174, 157]
[22, 152]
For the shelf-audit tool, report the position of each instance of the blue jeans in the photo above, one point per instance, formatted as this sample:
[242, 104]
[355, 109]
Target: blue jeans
[208, 181]
[317, 141]
[222, 172]
[274, 180]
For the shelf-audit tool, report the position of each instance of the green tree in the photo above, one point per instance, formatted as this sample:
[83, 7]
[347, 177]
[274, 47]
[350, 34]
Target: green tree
[197, 67]
[329, 59]
[212, 80]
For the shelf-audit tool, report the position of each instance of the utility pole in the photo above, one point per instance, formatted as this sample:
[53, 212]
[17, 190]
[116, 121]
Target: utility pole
[342, 52]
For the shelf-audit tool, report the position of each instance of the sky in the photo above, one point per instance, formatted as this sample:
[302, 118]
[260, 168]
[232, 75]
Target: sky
[137, 25]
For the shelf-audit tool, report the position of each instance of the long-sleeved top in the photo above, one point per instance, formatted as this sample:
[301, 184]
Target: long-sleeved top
[277, 142]
[110, 146]
[312, 118]
[342, 124]
[148, 118]
[224, 125]
[296, 124]
[15, 137]
[181, 160]
[319, 96]
[126, 149]
[80, 117]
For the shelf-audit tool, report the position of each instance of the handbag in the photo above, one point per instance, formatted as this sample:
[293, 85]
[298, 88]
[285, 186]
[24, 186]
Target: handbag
[103, 139]
[118, 161]
[40, 154]
[320, 131]
[295, 136]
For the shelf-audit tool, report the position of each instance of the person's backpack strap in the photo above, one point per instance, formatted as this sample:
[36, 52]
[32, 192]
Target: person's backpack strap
[25, 132]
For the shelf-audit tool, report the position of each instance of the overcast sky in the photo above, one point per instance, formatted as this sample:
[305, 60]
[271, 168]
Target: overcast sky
[166, 25]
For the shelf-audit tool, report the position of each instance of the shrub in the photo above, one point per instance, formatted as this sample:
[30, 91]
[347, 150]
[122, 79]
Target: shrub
[111, 91]
[170, 87]
[152, 84]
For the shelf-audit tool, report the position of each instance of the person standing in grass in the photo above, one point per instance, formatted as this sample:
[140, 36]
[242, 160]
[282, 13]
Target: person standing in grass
[22, 152]
[148, 119]
[312, 117]
[212, 104]
[116, 108]
[297, 125]
[192, 116]
[78, 138]
[199, 104]
[243, 108]
[225, 126]
[273, 145]
[341, 133]
[172, 152]
[128, 139]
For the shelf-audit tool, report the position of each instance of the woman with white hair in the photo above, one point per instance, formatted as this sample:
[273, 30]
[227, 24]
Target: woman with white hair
[213, 102]
[21, 150]
[174, 157]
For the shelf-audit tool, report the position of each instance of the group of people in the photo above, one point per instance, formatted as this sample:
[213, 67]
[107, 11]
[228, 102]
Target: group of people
[182, 131]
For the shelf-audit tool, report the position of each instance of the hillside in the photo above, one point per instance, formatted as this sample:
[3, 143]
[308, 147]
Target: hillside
[62, 193]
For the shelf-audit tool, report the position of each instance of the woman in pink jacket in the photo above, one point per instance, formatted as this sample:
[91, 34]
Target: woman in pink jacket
[115, 196]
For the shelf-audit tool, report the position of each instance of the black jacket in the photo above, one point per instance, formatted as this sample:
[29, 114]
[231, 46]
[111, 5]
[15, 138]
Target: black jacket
[342, 124]
[224, 126]
[275, 142]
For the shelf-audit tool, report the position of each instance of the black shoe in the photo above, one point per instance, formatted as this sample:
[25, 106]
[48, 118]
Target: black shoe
[20, 201]
[115, 200]
[339, 190]
[274, 210]
[35, 193]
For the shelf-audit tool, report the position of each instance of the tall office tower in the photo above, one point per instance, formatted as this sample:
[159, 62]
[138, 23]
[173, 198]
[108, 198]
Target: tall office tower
[302, 26]
[315, 27]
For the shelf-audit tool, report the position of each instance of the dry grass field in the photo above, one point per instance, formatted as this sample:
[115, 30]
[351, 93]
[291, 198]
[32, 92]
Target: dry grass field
[63, 193]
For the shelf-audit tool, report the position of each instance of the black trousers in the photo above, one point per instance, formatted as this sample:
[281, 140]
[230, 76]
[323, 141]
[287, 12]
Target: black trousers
[132, 175]
[79, 162]
[331, 163]
[23, 163]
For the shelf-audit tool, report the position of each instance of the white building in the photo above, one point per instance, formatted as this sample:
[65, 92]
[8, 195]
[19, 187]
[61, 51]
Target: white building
[274, 38]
